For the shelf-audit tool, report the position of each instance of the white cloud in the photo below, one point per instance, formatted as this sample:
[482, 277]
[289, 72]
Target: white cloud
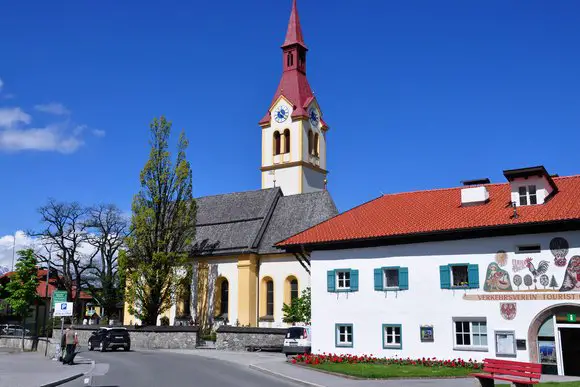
[1, 83]
[49, 138]
[11, 117]
[99, 133]
[6, 246]
[55, 108]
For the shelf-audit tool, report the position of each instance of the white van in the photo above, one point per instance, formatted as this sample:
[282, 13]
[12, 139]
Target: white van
[298, 341]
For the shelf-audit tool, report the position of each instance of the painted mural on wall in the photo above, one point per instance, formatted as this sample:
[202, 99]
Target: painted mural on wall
[535, 274]
[508, 310]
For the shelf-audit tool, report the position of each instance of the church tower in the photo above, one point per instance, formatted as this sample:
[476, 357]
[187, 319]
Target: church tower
[293, 131]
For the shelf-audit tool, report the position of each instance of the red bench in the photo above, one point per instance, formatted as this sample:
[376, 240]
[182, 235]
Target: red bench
[519, 373]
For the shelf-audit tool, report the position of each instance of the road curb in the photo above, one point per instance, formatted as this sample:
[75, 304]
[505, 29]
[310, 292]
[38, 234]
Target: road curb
[68, 379]
[280, 375]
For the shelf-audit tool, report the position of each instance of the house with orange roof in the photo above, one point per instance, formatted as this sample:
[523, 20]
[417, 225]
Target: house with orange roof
[478, 271]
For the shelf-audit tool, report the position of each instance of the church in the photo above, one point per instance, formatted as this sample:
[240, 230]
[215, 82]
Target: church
[238, 276]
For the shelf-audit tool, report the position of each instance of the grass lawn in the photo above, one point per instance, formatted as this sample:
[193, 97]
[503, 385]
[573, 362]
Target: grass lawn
[382, 371]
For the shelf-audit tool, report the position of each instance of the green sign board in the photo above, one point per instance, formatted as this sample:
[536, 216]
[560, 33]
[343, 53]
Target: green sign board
[571, 317]
[58, 296]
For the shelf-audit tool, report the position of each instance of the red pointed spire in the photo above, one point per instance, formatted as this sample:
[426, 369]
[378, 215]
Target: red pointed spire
[294, 33]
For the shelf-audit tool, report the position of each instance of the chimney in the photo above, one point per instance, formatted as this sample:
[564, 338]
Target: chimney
[473, 196]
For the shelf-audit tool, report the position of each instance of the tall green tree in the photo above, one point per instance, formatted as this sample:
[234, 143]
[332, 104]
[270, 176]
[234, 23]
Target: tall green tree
[162, 227]
[299, 309]
[22, 286]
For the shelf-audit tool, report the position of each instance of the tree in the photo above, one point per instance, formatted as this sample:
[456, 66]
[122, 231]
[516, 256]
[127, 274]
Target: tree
[517, 280]
[544, 280]
[22, 286]
[299, 309]
[553, 283]
[64, 235]
[528, 281]
[162, 227]
[108, 230]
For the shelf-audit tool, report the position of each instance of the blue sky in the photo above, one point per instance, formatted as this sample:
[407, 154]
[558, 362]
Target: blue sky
[418, 94]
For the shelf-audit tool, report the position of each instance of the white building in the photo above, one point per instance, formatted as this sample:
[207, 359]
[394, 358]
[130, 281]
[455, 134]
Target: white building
[480, 271]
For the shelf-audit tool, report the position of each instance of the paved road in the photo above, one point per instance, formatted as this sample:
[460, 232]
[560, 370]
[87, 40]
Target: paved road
[161, 369]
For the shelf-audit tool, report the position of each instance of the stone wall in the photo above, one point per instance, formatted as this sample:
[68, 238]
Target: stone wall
[241, 339]
[159, 337]
[30, 344]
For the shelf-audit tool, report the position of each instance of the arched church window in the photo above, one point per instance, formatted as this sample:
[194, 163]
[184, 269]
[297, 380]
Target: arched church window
[289, 60]
[316, 145]
[287, 141]
[224, 297]
[276, 145]
[270, 298]
[310, 142]
[293, 289]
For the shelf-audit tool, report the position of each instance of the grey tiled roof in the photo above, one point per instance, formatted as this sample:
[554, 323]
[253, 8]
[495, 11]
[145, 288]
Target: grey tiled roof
[253, 221]
[294, 214]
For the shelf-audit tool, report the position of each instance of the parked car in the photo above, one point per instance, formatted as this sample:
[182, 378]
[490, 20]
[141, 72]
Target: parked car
[298, 340]
[13, 330]
[110, 338]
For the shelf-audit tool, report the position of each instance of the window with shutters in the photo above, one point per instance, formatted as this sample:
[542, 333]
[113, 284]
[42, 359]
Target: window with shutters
[343, 279]
[459, 275]
[392, 278]
[470, 333]
[344, 335]
[392, 336]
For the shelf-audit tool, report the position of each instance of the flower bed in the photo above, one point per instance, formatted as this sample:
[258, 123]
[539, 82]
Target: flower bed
[369, 366]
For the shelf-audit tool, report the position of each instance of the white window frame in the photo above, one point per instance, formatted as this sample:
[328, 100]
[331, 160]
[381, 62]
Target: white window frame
[385, 277]
[345, 334]
[393, 335]
[337, 279]
[527, 196]
[470, 346]
[502, 354]
[452, 284]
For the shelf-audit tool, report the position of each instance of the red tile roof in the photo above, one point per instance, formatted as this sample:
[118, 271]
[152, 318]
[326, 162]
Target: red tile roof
[294, 33]
[41, 289]
[440, 210]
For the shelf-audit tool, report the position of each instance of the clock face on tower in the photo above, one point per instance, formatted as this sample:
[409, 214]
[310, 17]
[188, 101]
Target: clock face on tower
[314, 117]
[281, 113]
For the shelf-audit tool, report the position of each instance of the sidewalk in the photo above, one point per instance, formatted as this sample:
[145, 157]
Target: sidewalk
[275, 364]
[32, 369]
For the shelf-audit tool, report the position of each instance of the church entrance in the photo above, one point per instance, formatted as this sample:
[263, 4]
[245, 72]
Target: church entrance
[554, 340]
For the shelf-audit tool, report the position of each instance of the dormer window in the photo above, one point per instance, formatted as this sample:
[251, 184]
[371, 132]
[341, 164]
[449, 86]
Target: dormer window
[528, 195]
[530, 186]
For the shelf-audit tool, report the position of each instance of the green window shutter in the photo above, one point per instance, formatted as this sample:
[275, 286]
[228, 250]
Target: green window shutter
[403, 278]
[331, 281]
[379, 279]
[445, 277]
[354, 280]
[473, 276]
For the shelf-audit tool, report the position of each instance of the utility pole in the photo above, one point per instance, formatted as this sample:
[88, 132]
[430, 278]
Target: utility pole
[47, 307]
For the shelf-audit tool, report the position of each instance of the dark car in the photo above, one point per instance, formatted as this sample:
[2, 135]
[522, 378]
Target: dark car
[110, 338]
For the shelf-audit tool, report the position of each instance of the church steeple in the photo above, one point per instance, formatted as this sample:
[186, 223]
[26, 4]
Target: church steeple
[294, 33]
[293, 131]
[294, 49]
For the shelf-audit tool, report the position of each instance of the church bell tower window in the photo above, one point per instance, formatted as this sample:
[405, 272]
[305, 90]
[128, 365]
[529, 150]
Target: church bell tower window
[276, 144]
[287, 141]
[290, 60]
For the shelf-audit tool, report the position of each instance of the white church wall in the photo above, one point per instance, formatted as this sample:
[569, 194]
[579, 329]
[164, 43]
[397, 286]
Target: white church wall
[288, 179]
[425, 303]
[312, 181]
[280, 268]
[228, 268]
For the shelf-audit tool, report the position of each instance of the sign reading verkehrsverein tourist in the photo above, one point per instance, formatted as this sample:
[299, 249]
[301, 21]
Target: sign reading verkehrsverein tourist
[521, 297]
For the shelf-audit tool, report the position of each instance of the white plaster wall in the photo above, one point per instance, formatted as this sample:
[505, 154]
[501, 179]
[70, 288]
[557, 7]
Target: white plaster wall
[288, 179]
[425, 303]
[228, 268]
[280, 268]
[312, 180]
